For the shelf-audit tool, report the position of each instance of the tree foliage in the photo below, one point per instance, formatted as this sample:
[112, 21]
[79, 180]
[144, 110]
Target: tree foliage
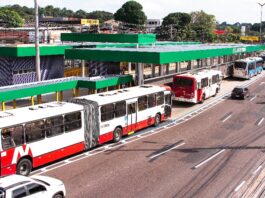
[178, 19]
[11, 18]
[203, 24]
[131, 12]
[100, 15]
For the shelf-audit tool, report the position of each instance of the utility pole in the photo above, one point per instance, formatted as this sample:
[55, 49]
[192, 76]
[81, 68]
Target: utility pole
[37, 47]
[260, 30]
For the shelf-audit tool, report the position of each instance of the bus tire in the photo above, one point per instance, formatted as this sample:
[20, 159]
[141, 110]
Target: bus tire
[117, 134]
[24, 167]
[157, 119]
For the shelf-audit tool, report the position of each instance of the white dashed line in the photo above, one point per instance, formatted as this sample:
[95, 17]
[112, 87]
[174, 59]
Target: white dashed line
[210, 158]
[253, 98]
[227, 118]
[257, 169]
[260, 122]
[162, 153]
[239, 186]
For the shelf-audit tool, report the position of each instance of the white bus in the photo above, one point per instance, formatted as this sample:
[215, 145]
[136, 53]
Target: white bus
[248, 67]
[197, 87]
[34, 136]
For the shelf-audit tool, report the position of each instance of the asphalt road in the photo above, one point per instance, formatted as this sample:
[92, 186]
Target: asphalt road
[215, 154]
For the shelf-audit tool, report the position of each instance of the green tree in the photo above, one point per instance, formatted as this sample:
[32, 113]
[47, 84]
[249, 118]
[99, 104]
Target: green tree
[11, 18]
[100, 15]
[131, 12]
[178, 19]
[203, 24]
[80, 14]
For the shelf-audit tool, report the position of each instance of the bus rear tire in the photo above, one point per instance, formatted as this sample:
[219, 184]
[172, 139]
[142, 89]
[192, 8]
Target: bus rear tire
[157, 120]
[117, 134]
[24, 167]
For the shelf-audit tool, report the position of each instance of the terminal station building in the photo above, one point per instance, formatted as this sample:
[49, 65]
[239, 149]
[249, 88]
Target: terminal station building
[140, 55]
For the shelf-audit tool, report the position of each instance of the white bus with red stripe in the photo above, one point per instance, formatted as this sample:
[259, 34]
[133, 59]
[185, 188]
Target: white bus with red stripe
[195, 88]
[34, 136]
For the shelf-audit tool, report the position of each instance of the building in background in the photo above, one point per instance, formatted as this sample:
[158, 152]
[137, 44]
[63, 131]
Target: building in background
[152, 24]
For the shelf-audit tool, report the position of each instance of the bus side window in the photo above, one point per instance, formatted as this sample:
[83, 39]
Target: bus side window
[120, 109]
[204, 82]
[142, 103]
[54, 126]
[107, 112]
[168, 99]
[72, 121]
[34, 131]
[151, 100]
[13, 136]
[160, 98]
[131, 108]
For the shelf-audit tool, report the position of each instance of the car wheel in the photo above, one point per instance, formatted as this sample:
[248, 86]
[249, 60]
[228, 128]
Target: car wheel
[24, 167]
[157, 119]
[117, 134]
[58, 195]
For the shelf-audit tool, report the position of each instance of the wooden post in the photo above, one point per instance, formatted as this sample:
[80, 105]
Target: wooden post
[14, 104]
[39, 99]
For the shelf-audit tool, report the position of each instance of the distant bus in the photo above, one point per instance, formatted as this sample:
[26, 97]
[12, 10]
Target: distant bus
[247, 68]
[34, 136]
[195, 88]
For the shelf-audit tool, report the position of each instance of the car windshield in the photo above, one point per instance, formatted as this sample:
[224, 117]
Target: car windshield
[240, 65]
[183, 82]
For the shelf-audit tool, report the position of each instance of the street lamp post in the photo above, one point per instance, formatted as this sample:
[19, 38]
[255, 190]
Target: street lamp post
[37, 47]
[260, 30]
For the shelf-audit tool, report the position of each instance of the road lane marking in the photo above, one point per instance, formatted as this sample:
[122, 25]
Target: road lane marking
[260, 122]
[210, 158]
[253, 98]
[239, 186]
[257, 169]
[162, 153]
[227, 118]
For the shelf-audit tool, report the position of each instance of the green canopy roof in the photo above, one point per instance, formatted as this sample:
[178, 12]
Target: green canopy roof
[160, 54]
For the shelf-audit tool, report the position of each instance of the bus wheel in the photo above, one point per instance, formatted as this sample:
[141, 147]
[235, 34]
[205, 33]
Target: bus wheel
[24, 167]
[117, 134]
[157, 119]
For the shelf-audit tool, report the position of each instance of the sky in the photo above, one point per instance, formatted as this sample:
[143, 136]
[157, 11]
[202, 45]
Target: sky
[231, 11]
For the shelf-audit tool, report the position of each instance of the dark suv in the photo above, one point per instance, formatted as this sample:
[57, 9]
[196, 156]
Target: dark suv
[240, 93]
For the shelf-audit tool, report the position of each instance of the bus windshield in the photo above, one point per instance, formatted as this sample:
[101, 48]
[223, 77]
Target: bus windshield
[240, 65]
[183, 82]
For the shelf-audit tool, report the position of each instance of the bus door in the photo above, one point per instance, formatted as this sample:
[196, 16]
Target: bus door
[131, 116]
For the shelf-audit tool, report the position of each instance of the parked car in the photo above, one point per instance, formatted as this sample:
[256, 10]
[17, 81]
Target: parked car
[16, 186]
[240, 93]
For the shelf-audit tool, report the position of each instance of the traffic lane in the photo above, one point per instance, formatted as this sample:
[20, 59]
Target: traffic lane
[114, 175]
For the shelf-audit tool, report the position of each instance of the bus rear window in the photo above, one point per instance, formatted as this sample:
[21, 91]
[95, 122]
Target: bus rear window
[183, 82]
[240, 65]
